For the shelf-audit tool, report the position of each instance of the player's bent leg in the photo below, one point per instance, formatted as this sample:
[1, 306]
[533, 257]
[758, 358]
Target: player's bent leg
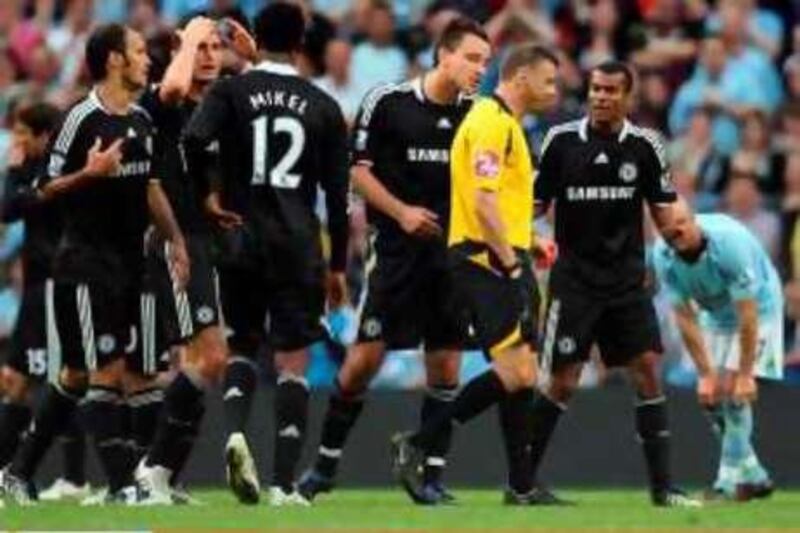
[145, 399]
[345, 404]
[291, 420]
[58, 405]
[104, 414]
[73, 484]
[175, 435]
[442, 369]
[545, 414]
[740, 475]
[652, 428]
[15, 413]
[241, 379]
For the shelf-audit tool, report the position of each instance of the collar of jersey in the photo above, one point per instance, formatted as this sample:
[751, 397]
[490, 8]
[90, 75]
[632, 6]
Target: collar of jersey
[583, 129]
[277, 68]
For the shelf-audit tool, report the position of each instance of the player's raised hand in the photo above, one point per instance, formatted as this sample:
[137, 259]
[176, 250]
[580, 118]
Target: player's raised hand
[336, 290]
[706, 389]
[103, 162]
[241, 41]
[745, 389]
[179, 263]
[419, 221]
[196, 31]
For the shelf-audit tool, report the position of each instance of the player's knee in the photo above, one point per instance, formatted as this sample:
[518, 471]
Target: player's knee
[645, 375]
[562, 386]
[442, 368]
[363, 361]
[292, 362]
[14, 385]
[110, 375]
[74, 379]
[213, 356]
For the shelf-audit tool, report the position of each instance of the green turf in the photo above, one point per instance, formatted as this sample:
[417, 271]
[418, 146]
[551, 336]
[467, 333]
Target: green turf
[382, 510]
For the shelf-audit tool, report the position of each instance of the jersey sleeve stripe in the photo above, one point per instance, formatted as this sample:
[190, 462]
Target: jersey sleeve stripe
[656, 142]
[553, 132]
[73, 121]
[374, 97]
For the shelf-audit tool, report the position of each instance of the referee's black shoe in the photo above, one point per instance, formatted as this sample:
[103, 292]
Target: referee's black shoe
[538, 495]
[407, 464]
[312, 483]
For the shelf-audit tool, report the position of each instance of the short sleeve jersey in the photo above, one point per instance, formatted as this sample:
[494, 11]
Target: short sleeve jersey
[734, 266]
[105, 220]
[599, 183]
[280, 139]
[405, 139]
[490, 152]
[183, 180]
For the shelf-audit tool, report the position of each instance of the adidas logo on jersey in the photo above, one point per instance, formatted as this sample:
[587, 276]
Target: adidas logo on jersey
[233, 392]
[601, 159]
[444, 124]
[131, 133]
[290, 432]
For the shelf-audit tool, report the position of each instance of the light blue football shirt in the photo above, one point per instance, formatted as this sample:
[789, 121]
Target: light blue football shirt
[733, 267]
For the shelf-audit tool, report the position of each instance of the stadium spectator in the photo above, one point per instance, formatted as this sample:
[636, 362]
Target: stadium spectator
[338, 81]
[67, 39]
[744, 202]
[756, 152]
[745, 57]
[721, 86]
[694, 153]
[604, 35]
[765, 29]
[378, 59]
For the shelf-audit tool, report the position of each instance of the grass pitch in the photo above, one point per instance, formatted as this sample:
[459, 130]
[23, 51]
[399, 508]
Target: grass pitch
[389, 510]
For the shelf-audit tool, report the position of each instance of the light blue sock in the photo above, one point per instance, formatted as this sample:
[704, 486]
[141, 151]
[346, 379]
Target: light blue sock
[738, 461]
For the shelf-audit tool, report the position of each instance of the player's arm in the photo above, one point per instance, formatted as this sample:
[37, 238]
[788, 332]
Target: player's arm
[545, 186]
[739, 266]
[692, 336]
[100, 164]
[370, 133]
[178, 76]
[164, 220]
[21, 193]
[412, 219]
[335, 184]
[745, 387]
[657, 180]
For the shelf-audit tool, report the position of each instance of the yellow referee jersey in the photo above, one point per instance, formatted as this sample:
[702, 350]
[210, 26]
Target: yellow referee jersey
[490, 152]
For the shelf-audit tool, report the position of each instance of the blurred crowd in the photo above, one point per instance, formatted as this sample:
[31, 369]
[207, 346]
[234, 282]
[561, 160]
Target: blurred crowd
[720, 79]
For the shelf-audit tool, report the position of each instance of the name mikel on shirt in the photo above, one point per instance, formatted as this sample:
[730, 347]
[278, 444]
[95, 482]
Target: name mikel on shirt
[283, 99]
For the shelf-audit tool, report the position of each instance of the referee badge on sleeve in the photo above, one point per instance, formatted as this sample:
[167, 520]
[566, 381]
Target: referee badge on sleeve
[487, 164]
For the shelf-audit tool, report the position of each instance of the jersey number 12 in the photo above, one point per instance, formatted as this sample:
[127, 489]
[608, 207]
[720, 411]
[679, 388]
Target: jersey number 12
[281, 175]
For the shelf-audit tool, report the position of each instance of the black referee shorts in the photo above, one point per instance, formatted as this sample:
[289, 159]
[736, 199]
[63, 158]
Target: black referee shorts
[409, 299]
[183, 313]
[98, 323]
[502, 311]
[28, 351]
[623, 327]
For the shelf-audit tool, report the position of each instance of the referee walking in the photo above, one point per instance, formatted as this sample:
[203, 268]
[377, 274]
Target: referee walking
[489, 242]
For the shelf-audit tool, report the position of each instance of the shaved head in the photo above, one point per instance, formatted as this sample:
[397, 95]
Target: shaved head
[680, 231]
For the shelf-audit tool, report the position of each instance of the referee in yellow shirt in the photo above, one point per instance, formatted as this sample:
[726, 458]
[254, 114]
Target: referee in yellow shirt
[489, 239]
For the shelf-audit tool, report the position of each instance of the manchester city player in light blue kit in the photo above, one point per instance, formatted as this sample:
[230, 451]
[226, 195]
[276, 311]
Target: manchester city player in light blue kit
[728, 305]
